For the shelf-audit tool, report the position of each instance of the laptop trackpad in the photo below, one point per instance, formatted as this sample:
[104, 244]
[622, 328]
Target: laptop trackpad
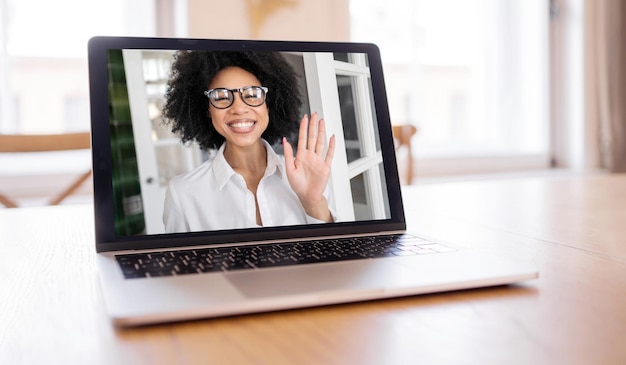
[308, 279]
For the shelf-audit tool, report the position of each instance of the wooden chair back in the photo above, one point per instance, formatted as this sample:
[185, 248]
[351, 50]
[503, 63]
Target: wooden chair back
[26, 143]
[403, 133]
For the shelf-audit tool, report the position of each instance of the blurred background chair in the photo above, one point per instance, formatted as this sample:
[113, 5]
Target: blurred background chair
[40, 143]
[402, 134]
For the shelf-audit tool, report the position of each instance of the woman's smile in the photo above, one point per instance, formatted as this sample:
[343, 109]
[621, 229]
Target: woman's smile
[242, 125]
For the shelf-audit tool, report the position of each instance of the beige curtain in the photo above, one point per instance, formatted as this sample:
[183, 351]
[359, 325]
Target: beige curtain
[605, 81]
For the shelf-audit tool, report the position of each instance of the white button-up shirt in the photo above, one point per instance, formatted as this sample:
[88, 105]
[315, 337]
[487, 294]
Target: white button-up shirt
[213, 196]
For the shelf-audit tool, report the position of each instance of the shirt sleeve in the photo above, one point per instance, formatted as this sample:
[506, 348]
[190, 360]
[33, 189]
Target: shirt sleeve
[173, 217]
[311, 220]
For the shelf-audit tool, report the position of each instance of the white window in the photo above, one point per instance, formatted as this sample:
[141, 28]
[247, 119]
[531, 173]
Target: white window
[471, 75]
[160, 155]
[44, 79]
[43, 58]
[339, 88]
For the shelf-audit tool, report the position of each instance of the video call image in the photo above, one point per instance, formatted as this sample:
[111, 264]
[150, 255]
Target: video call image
[213, 141]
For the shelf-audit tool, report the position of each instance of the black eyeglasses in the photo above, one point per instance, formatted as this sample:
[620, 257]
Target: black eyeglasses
[222, 98]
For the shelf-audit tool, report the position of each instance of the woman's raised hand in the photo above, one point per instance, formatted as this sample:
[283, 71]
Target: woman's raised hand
[309, 170]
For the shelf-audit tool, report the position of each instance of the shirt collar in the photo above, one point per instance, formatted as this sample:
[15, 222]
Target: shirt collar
[224, 172]
[274, 161]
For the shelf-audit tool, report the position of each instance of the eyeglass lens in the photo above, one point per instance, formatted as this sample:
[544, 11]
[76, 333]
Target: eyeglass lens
[222, 98]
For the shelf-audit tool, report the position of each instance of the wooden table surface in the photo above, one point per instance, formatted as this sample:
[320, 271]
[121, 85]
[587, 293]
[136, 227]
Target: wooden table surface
[572, 228]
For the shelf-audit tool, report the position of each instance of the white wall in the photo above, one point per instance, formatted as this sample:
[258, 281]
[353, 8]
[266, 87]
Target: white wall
[309, 20]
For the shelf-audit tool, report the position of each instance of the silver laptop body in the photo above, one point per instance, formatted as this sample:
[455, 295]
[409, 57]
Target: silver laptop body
[134, 157]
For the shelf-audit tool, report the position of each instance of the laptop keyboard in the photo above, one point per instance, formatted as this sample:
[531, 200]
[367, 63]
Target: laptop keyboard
[206, 260]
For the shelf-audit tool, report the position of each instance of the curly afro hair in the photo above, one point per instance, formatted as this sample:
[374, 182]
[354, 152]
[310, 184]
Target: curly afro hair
[186, 106]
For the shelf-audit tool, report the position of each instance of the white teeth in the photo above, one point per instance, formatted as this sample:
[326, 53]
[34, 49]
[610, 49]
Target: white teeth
[241, 124]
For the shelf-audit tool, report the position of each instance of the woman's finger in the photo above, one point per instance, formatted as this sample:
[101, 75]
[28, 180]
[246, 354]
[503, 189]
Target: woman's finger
[312, 140]
[321, 138]
[302, 133]
[331, 151]
[288, 152]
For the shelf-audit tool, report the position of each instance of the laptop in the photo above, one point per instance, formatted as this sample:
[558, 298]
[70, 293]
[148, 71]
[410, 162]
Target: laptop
[152, 274]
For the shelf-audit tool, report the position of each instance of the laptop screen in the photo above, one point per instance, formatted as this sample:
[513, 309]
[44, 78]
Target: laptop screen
[218, 141]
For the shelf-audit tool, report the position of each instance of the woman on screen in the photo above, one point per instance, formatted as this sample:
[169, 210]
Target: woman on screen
[241, 103]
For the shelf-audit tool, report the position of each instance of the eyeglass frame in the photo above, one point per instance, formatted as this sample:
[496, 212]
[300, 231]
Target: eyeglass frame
[240, 91]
